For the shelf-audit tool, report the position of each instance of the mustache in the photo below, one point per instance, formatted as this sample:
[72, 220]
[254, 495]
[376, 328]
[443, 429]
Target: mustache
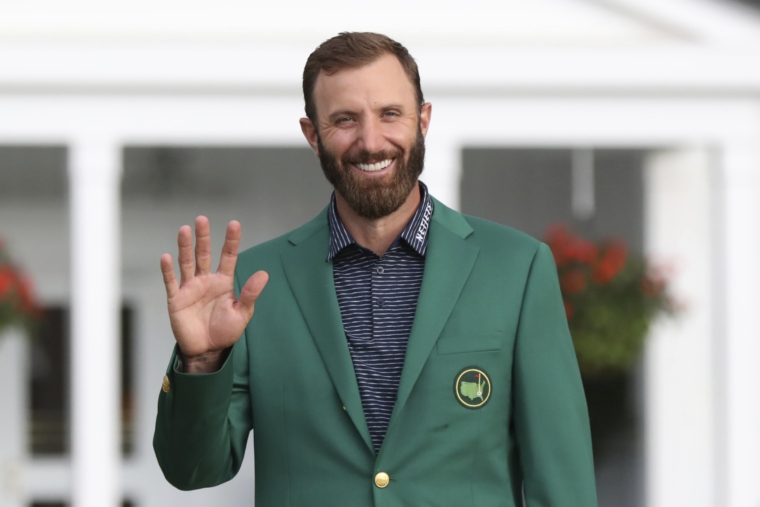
[365, 157]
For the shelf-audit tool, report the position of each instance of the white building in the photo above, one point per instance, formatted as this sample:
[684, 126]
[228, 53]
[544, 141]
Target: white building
[120, 123]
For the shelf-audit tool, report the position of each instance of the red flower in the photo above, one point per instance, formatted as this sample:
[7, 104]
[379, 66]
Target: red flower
[586, 252]
[602, 273]
[568, 248]
[573, 282]
[556, 234]
[7, 280]
[569, 310]
[559, 240]
[611, 263]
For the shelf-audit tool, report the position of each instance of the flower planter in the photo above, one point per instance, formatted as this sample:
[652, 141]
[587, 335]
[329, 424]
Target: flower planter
[610, 299]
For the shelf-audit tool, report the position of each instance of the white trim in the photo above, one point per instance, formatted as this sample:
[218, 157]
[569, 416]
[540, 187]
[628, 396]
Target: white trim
[254, 69]
[711, 21]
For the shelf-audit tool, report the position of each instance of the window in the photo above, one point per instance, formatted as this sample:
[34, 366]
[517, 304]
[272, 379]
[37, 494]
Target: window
[49, 426]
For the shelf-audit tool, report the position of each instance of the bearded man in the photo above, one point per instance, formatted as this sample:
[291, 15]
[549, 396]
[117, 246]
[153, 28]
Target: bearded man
[402, 354]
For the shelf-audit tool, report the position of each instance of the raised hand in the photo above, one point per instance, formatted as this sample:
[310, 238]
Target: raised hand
[205, 316]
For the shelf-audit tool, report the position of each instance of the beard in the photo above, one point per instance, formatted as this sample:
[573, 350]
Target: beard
[374, 198]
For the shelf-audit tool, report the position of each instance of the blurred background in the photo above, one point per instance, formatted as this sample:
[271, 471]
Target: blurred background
[630, 119]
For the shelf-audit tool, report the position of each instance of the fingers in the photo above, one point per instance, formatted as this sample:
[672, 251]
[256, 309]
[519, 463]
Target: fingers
[202, 246]
[251, 292]
[230, 249]
[185, 244]
[170, 280]
[201, 263]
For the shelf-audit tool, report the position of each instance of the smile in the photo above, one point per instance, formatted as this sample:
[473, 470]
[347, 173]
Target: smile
[379, 166]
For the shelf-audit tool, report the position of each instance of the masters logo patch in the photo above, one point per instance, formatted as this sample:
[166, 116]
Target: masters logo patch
[472, 387]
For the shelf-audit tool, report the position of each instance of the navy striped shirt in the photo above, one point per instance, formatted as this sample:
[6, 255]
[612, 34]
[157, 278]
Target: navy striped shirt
[378, 298]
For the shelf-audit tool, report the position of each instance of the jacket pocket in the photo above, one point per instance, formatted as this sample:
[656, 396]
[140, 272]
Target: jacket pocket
[473, 343]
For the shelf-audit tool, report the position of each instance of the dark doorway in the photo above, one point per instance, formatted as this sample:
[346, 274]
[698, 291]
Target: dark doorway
[50, 391]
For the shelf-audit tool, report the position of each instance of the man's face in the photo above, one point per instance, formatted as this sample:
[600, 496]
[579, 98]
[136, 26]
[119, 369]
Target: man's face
[370, 135]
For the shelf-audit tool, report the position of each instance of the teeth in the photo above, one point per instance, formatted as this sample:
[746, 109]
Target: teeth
[375, 167]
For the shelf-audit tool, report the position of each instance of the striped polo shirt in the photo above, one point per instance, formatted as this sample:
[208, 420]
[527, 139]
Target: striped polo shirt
[378, 298]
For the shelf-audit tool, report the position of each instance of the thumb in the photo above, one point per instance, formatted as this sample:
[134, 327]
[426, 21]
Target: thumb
[252, 290]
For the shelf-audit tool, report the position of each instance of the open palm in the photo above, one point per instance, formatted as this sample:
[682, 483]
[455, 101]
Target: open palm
[205, 316]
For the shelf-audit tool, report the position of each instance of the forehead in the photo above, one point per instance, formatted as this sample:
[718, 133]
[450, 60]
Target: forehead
[377, 84]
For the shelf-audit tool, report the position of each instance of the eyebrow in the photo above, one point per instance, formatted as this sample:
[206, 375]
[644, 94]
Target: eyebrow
[392, 106]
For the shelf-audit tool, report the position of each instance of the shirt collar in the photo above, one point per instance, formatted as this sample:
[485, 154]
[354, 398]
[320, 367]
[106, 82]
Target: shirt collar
[415, 233]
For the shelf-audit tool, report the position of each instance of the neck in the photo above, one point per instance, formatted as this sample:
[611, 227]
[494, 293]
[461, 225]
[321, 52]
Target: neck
[378, 234]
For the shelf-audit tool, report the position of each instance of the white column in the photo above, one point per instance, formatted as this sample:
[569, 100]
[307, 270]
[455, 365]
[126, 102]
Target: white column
[738, 234]
[14, 414]
[679, 386]
[583, 203]
[95, 172]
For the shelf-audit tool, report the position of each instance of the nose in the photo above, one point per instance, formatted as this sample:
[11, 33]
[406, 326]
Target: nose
[371, 135]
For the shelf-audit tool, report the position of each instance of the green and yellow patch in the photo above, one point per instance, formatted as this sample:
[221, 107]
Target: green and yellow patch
[472, 387]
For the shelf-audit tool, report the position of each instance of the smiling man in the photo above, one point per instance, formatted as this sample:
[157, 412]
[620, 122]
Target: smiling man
[401, 354]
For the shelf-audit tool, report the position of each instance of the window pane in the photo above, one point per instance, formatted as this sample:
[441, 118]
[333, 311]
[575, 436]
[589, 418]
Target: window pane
[50, 386]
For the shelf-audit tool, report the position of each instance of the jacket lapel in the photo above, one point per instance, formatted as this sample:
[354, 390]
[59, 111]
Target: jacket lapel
[311, 279]
[449, 260]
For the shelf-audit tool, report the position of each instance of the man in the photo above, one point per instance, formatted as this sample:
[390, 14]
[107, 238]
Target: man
[402, 354]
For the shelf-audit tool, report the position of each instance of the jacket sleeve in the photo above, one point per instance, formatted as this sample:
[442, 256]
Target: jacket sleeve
[203, 422]
[550, 412]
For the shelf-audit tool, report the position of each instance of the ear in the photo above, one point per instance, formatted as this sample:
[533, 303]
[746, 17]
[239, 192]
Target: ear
[425, 111]
[310, 133]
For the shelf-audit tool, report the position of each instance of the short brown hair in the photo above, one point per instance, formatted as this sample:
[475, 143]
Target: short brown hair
[350, 50]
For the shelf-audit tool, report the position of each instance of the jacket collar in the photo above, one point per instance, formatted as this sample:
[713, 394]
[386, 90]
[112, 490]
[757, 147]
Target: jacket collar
[448, 263]
[415, 233]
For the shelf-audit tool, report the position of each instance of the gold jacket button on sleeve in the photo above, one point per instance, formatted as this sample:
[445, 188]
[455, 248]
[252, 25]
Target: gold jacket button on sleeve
[166, 386]
[382, 479]
[344, 408]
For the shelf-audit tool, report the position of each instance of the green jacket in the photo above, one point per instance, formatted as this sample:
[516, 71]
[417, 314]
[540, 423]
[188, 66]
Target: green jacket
[490, 400]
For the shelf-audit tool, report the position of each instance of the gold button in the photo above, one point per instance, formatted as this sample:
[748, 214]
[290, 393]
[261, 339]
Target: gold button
[344, 407]
[166, 386]
[382, 479]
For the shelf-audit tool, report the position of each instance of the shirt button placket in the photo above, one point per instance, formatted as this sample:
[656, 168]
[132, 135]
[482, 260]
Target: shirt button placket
[379, 270]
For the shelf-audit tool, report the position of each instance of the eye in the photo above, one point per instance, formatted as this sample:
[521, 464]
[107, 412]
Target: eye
[391, 114]
[343, 119]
